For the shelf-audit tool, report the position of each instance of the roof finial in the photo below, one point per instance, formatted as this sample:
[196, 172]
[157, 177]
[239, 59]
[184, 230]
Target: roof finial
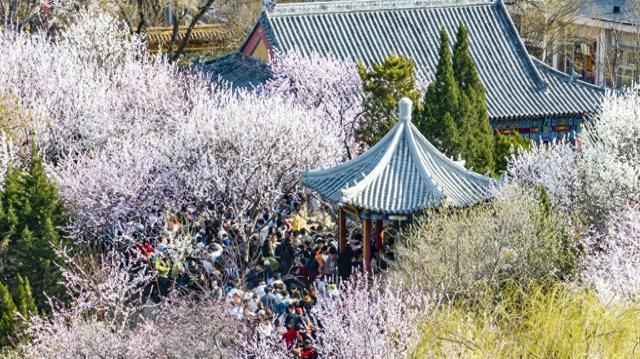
[405, 109]
[268, 5]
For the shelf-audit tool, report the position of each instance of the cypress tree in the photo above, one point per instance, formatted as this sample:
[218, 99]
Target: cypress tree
[505, 146]
[30, 222]
[475, 132]
[464, 69]
[8, 313]
[383, 86]
[441, 104]
[24, 299]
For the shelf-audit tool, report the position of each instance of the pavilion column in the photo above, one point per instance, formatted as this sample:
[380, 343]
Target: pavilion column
[366, 246]
[379, 235]
[342, 229]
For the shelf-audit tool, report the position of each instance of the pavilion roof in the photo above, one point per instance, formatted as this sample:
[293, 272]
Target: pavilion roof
[402, 174]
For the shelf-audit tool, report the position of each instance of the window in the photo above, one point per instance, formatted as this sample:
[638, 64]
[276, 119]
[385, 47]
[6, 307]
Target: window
[580, 58]
[628, 65]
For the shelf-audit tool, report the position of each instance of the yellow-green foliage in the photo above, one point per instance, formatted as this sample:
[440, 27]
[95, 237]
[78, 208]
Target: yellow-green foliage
[15, 121]
[538, 322]
[461, 253]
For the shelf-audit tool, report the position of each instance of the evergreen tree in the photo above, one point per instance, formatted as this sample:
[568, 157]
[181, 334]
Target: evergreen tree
[24, 299]
[505, 146]
[31, 218]
[8, 313]
[441, 104]
[10, 306]
[475, 132]
[383, 86]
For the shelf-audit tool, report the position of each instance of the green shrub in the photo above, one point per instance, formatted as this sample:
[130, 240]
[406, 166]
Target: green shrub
[463, 252]
[535, 322]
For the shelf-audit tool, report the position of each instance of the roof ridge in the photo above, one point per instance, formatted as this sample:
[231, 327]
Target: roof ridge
[350, 192]
[332, 6]
[542, 84]
[354, 161]
[564, 75]
[237, 54]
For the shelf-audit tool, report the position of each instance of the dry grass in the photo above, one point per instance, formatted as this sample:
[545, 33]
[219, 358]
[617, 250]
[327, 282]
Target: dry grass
[537, 322]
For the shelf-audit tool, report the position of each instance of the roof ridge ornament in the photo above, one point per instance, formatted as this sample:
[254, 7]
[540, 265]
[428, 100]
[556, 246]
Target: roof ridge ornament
[268, 5]
[405, 109]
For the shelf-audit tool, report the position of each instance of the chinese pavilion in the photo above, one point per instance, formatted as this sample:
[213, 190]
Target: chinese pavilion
[522, 93]
[399, 177]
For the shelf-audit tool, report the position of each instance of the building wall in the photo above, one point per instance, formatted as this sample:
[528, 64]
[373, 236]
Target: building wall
[605, 54]
[257, 46]
[540, 129]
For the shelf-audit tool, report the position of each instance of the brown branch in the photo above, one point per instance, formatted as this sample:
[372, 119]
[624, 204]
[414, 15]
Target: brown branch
[187, 34]
[174, 32]
[141, 19]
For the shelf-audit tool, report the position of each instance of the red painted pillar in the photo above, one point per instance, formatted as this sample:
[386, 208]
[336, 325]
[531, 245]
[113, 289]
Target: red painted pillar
[366, 247]
[379, 235]
[342, 230]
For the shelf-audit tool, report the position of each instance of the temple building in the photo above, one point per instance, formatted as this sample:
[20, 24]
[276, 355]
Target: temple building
[396, 180]
[522, 93]
[204, 37]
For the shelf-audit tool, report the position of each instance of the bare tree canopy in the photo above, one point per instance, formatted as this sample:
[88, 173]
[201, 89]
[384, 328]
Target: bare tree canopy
[546, 25]
[182, 16]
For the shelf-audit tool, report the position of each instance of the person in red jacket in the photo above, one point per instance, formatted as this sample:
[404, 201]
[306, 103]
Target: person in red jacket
[144, 249]
[291, 336]
[308, 351]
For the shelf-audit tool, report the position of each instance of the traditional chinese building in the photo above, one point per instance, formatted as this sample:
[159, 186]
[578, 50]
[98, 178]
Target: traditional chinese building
[205, 37]
[522, 93]
[397, 179]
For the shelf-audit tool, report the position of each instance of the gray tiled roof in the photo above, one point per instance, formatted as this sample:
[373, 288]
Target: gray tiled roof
[243, 72]
[401, 174]
[516, 85]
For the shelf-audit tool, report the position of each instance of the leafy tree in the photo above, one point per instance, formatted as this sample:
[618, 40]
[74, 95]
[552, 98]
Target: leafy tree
[384, 85]
[505, 146]
[441, 104]
[31, 223]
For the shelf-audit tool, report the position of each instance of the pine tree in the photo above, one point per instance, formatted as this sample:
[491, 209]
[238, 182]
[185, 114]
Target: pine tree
[441, 103]
[384, 85]
[475, 132]
[8, 313]
[30, 221]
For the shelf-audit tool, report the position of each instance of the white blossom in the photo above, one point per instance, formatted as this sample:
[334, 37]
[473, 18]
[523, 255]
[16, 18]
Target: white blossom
[612, 265]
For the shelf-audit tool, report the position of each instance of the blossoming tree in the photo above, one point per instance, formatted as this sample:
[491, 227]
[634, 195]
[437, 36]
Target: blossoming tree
[127, 134]
[326, 85]
[597, 180]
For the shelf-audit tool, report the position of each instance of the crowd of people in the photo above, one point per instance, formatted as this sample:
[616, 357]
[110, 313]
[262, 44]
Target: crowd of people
[271, 278]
